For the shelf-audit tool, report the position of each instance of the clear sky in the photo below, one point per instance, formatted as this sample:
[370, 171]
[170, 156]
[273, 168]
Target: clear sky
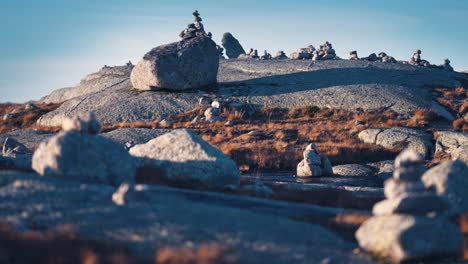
[49, 44]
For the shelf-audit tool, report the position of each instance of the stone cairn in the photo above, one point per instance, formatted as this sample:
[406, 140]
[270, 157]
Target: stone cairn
[213, 113]
[314, 164]
[266, 56]
[326, 52]
[280, 55]
[194, 29]
[353, 55]
[412, 223]
[446, 65]
[417, 61]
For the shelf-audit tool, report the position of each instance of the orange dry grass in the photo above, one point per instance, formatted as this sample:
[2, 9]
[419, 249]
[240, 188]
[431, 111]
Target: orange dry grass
[23, 119]
[210, 253]
[422, 118]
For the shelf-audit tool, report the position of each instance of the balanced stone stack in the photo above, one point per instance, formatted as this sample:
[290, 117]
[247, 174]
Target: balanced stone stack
[446, 65]
[233, 48]
[353, 55]
[412, 223]
[212, 114]
[190, 63]
[314, 164]
[417, 61]
[266, 56]
[372, 57]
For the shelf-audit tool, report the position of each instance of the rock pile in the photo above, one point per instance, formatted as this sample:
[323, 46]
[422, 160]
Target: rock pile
[372, 57]
[266, 56]
[189, 64]
[78, 153]
[383, 57]
[412, 222]
[446, 65]
[326, 52]
[280, 55]
[314, 164]
[233, 48]
[416, 60]
[182, 156]
[353, 55]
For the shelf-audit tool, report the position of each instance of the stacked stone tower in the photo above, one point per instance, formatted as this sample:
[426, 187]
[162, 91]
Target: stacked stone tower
[413, 222]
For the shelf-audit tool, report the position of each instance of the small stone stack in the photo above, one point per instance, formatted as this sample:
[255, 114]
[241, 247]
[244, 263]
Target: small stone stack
[383, 57]
[194, 29]
[314, 164]
[353, 55]
[212, 114]
[266, 56]
[412, 223]
[280, 55]
[417, 61]
[446, 65]
[329, 52]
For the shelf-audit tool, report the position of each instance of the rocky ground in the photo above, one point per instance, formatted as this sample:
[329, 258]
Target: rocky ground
[360, 114]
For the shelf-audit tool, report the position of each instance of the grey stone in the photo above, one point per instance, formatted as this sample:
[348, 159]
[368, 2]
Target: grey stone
[394, 188]
[353, 170]
[369, 135]
[29, 138]
[212, 114]
[460, 153]
[182, 156]
[413, 139]
[409, 166]
[314, 164]
[30, 106]
[413, 204]
[450, 179]
[17, 162]
[403, 237]
[84, 157]
[232, 46]
[188, 64]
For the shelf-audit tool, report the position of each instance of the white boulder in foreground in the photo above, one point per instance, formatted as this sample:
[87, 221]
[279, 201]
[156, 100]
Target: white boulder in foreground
[182, 156]
[404, 237]
[79, 154]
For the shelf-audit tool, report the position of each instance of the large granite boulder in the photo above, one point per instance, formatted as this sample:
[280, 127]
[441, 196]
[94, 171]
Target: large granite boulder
[80, 154]
[450, 179]
[187, 64]
[404, 237]
[414, 139]
[181, 156]
[232, 46]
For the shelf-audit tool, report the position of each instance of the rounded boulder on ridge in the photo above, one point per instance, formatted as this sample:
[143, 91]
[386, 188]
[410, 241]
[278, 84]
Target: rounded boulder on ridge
[187, 64]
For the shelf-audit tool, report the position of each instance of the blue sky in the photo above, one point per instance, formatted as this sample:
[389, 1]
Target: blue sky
[49, 44]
